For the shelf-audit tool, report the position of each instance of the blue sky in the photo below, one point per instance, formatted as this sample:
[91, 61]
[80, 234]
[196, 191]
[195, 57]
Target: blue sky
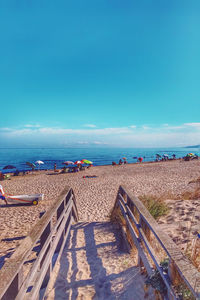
[109, 72]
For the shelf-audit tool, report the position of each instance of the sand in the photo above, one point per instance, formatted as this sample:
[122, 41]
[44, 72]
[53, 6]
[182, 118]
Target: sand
[95, 266]
[95, 196]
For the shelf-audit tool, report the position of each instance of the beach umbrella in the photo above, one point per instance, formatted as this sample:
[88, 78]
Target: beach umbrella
[88, 162]
[68, 162]
[39, 162]
[30, 165]
[78, 162]
[9, 167]
[191, 154]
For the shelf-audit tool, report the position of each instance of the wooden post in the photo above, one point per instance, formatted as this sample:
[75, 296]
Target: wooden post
[60, 209]
[145, 228]
[174, 276]
[68, 196]
[196, 249]
[13, 289]
[43, 239]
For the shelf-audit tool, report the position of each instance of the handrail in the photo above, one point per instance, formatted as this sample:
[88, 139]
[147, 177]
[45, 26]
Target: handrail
[180, 268]
[52, 238]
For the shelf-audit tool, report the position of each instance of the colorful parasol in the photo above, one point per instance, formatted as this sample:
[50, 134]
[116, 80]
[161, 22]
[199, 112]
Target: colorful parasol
[68, 162]
[88, 162]
[78, 162]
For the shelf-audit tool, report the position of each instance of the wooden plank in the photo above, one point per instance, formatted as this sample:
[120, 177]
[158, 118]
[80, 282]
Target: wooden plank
[141, 253]
[75, 208]
[151, 252]
[34, 269]
[187, 271]
[148, 247]
[11, 267]
[61, 249]
[34, 292]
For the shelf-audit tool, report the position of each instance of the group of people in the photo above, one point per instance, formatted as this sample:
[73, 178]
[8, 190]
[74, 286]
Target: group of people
[164, 157]
[74, 169]
[121, 162]
[124, 161]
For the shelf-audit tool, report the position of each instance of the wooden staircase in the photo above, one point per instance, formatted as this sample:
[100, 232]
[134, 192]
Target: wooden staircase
[96, 265]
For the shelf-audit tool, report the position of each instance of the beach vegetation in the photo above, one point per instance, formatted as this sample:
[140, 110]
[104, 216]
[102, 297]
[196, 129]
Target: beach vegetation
[156, 281]
[184, 293]
[155, 205]
[191, 195]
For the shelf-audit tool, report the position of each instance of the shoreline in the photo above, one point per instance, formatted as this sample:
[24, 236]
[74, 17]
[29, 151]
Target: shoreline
[93, 166]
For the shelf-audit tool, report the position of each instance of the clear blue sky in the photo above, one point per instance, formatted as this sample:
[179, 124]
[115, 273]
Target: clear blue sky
[100, 72]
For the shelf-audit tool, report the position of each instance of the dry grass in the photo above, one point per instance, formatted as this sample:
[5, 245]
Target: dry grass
[195, 194]
[191, 195]
[197, 180]
[155, 205]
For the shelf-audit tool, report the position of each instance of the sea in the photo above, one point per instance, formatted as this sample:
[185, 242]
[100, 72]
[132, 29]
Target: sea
[18, 157]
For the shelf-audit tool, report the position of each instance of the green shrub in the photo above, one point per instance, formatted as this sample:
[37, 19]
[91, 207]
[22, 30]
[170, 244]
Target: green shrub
[155, 206]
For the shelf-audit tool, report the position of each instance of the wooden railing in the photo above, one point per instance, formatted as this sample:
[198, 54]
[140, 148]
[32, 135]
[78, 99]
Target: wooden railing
[42, 247]
[152, 245]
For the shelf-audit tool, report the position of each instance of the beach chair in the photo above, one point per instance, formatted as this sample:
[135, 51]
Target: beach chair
[4, 176]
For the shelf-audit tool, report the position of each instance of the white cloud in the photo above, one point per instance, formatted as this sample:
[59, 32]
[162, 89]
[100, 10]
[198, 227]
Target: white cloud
[89, 125]
[160, 136]
[192, 124]
[5, 129]
[99, 143]
[103, 131]
[32, 126]
[82, 142]
[168, 127]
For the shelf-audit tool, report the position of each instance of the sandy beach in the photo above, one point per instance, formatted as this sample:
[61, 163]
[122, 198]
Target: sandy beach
[96, 196]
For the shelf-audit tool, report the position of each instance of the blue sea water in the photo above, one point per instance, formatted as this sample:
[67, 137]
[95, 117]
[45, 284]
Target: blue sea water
[99, 156]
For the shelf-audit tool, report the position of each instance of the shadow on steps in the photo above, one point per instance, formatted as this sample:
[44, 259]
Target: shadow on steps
[95, 266]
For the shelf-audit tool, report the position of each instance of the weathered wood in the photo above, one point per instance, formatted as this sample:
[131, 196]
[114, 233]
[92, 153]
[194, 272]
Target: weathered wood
[34, 292]
[13, 288]
[141, 253]
[9, 274]
[35, 267]
[185, 270]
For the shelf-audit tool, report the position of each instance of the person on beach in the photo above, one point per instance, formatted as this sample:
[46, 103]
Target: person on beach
[1, 176]
[120, 162]
[55, 167]
[140, 159]
[64, 170]
[2, 195]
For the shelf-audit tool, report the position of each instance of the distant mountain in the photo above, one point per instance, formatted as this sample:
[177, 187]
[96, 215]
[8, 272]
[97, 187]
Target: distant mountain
[196, 146]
